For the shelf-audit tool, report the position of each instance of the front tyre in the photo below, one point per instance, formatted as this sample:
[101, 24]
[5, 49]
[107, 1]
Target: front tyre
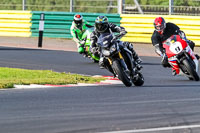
[122, 75]
[190, 70]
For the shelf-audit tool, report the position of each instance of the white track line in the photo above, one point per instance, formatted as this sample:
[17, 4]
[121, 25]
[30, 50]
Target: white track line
[154, 129]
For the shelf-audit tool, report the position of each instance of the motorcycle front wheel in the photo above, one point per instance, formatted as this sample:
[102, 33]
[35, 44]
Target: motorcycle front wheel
[190, 69]
[122, 75]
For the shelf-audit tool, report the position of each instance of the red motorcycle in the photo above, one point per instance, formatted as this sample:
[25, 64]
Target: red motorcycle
[181, 57]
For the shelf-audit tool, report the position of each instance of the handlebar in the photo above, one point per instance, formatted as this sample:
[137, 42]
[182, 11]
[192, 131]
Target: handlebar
[119, 36]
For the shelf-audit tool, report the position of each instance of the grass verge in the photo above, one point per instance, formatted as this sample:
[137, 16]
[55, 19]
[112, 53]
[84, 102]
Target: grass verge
[11, 76]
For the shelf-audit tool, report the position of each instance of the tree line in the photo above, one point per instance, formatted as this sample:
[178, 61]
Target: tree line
[84, 5]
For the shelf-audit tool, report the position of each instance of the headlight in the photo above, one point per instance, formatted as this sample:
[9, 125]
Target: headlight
[106, 52]
[113, 48]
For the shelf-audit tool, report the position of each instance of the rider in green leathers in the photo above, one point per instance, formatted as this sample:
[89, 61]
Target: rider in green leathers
[79, 26]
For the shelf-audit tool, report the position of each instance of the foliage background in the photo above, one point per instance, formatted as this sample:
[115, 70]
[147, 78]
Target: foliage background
[85, 5]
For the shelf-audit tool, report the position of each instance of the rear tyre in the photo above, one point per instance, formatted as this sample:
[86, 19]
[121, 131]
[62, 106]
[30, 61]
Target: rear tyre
[122, 75]
[190, 69]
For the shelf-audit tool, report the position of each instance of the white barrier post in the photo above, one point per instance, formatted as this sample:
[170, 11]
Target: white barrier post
[119, 2]
[41, 29]
[71, 5]
[24, 5]
[171, 4]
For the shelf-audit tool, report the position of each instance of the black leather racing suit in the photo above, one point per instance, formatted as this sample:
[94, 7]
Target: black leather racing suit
[157, 39]
[171, 29]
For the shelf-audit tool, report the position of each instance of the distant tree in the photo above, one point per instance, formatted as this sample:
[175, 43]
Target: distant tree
[63, 5]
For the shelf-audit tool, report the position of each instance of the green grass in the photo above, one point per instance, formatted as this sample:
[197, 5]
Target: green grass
[11, 76]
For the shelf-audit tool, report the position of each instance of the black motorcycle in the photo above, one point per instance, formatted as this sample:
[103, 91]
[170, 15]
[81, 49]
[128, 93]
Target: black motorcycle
[118, 60]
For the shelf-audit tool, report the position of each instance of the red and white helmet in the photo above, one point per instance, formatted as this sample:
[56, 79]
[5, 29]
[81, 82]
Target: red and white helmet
[78, 20]
[159, 24]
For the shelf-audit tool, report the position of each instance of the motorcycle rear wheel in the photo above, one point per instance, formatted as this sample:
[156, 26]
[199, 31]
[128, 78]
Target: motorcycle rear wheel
[121, 73]
[190, 69]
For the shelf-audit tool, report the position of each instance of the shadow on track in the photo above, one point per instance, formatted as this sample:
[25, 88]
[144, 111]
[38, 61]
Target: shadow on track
[23, 49]
[164, 86]
[152, 64]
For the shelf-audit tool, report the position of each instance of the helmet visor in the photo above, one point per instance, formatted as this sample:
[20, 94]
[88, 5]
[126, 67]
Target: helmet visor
[78, 23]
[101, 27]
[159, 27]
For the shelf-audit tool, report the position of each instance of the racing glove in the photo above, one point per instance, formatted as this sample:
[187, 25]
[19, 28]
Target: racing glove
[82, 43]
[182, 35]
[164, 61]
[123, 32]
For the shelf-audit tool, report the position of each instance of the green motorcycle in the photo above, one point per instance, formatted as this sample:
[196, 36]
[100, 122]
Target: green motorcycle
[86, 47]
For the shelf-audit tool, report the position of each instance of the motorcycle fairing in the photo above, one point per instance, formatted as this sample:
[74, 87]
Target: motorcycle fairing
[174, 45]
[104, 39]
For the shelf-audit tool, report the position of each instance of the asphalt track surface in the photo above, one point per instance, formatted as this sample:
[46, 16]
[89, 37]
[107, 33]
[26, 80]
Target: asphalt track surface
[165, 104]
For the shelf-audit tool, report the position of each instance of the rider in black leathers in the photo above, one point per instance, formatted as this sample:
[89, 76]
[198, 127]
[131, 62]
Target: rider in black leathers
[103, 26]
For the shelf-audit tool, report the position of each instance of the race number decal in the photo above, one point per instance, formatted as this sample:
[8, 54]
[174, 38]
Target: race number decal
[176, 47]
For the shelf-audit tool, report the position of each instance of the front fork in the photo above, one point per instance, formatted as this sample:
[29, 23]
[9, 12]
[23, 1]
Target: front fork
[121, 61]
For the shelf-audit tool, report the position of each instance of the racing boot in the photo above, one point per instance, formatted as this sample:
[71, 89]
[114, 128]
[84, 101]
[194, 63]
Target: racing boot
[197, 56]
[136, 58]
[101, 63]
[81, 49]
[138, 61]
[174, 72]
[175, 69]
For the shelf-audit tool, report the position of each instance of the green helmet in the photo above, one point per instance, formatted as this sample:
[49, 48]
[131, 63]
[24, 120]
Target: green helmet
[101, 23]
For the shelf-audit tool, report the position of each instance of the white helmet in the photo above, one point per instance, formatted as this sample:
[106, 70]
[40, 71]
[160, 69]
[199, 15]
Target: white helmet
[78, 20]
